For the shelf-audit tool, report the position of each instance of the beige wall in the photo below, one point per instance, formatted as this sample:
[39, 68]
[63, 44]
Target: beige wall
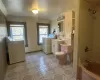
[83, 33]
[85, 30]
[3, 34]
[54, 25]
[89, 33]
[31, 30]
[96, 40]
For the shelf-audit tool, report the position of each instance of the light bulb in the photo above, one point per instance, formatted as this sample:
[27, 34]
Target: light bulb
[35, 11]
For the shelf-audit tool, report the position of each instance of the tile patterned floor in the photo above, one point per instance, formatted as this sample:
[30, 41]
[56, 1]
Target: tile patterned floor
[39, 66]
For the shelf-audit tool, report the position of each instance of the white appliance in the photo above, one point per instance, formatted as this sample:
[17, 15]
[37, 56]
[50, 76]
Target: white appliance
[16, 51]
[47, 45]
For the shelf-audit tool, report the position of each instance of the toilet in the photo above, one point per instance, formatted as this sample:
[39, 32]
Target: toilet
[62, 58]
[65, 55]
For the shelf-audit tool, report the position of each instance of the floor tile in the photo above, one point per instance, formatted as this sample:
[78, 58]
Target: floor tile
[39, 66]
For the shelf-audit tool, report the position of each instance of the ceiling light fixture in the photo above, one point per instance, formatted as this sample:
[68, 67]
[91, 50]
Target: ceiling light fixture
[35, 11]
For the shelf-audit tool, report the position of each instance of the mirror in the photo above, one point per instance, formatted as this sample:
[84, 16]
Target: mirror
[60, 26]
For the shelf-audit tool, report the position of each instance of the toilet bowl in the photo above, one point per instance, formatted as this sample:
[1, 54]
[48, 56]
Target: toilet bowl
[62, 57]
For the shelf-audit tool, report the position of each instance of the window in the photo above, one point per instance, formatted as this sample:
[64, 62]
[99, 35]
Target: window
[17, 31]
[43, 31]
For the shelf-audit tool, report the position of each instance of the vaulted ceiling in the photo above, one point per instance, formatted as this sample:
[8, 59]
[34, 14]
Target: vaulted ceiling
[47, 8]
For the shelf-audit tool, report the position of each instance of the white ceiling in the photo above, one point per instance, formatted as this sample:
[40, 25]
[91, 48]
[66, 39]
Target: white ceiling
[47, 8]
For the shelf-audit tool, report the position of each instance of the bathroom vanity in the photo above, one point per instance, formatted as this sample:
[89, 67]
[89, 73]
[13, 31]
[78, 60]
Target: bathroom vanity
[56, 45]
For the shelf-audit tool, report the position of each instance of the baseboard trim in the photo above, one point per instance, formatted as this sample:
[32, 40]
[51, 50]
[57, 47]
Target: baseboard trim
[33, 51]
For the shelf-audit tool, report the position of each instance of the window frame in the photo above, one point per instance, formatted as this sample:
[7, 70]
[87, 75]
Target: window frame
[42, 24]
[21, 23]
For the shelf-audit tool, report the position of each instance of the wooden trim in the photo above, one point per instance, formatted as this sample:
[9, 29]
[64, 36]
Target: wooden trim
[13, 22]
[46, 24]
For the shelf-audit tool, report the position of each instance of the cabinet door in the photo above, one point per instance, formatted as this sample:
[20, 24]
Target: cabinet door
[56, 46]
[53, 47]
[16, 51]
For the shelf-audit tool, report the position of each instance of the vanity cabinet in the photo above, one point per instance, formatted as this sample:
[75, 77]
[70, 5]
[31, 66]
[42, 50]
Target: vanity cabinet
[56, 45]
